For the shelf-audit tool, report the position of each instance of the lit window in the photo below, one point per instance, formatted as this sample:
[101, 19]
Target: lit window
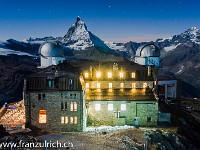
[62, 120]
[66, 120]
[123, 106]
[42, 116]
[110, 106]
[133, 75]
[144, 85]
[110, 85]
[86, 75]
[98, 85]
[87, 85]
[98, 75]
[122, 85]
[133, 85]
[71, 106]
[121, 75]
[97, 106]
[71, 120]
[75, 106]
[75, 120]
[109, 75]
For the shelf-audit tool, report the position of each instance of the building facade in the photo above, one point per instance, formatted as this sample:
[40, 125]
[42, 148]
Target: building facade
[54, 101]
[72, 95]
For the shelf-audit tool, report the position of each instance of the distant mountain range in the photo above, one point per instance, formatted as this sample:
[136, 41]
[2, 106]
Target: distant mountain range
[179, 53]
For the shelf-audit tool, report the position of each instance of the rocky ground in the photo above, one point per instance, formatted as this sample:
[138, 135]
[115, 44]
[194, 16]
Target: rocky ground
[136, 138]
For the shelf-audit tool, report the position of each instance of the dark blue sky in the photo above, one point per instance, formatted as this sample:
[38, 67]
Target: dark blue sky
[114, 20]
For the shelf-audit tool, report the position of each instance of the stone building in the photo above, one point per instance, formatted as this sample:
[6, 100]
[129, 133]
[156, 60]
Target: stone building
[54, 100]
[74, 94]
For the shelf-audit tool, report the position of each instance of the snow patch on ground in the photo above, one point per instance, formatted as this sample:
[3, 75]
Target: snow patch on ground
[108, 128]
[114, 46]
[171, 47]
[8, 51]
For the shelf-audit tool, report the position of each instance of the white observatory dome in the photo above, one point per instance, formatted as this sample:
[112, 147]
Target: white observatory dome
[51, 49]
[148, 50]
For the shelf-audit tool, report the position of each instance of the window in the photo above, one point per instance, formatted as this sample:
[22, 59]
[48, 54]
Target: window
[144, 85]
[110, 106]
[43, 97]
[109, 75]
[71, 106]
[62, 106]
[75, 120]
[66, 120]
[65, 95]
[97, 106]
[110, 85]
[87, 85]
[62, 120]
[70, 82]
[71, 120]
[61, 95]
[123, 106]
[98, 74]
[42, 116]
[86, 75]
[121, 85]
[71, 95]
[75, 106]
[121, 75]
[133, 75]
[98, 85]
[148, 119]
[74, 95]
[133, 85]
[51, 83]
[65, 105]
[39, 96]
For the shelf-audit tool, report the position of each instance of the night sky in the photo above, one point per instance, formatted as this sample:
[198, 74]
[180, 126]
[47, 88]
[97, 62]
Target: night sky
[112, 20]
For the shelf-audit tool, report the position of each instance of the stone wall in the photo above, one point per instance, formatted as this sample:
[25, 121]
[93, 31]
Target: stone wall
[52, 105]
[117, 84]
[140, 109]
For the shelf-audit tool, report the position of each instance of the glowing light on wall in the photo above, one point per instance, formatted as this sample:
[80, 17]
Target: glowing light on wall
[133, 75]
[71, 106]
[86, 75]
[75, 120]
[98, 74]
[75, 106]
[66, 120]
[121, 85]
[97, 107]
[110, 106]
[123, 106]
[98, 85]
[71, 120]
[144, 85]
[42, 116]
[121, 75]
[109, 75]
[110, 85]
[62, 120]
[87, 85]
[133, 85]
